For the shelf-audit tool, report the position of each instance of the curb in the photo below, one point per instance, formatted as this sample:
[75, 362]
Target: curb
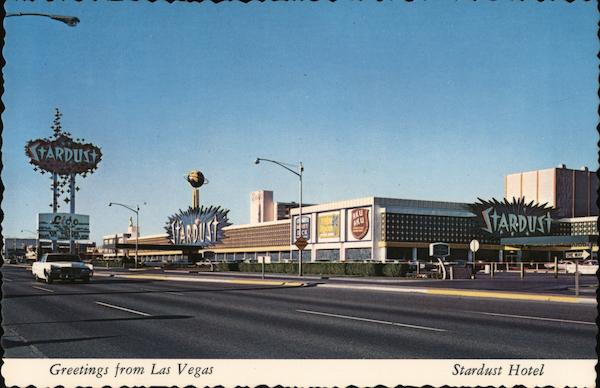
[471, 293]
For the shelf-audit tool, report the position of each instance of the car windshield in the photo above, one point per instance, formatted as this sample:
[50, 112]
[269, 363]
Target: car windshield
[55, 258]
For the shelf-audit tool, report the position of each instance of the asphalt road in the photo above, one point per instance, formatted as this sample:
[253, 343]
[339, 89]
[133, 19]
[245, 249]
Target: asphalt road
[127, 318]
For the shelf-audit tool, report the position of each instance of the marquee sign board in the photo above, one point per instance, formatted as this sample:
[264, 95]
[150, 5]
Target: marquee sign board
[516, 218]
[63, 226]
[198, 227]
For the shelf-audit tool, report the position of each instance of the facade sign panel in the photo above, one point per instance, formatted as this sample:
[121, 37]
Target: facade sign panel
[328, 225]
[516, 218]
[198, 227]
[358, 224]
[305, 227]
[63, 226]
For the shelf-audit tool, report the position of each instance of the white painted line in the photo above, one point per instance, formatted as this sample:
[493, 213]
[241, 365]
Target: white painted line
[122, 308]
[174, 293]
[536, 318]
[370, 320]
[6, 280]
[42, 288]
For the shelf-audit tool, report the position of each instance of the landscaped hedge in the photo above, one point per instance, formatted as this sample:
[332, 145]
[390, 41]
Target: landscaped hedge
[111, 263]
[334, 269]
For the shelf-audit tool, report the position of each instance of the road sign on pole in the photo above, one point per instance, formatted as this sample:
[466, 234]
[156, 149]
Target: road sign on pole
[474, 245]
[577, 255]
[301, 243]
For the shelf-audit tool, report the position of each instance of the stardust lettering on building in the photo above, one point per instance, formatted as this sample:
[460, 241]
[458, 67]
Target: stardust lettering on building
[515, 218]
[199, 227]
[63, 155]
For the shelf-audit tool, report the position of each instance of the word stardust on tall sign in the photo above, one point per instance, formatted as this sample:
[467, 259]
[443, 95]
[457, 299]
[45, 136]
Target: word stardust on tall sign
[515, 218]
[199, 227]
[63, 155]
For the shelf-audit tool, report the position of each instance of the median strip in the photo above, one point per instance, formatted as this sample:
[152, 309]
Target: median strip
[371, 320]
[42, 288]
[509, 295]
[535, 318]
[212, 280]
[123, 309]
[468, 293]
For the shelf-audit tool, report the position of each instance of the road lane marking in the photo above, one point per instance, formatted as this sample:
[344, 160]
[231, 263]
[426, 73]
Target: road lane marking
[42, 288]
[174, 293]
[6, 280]
[536, 318]
[370, 320]
[123, 308]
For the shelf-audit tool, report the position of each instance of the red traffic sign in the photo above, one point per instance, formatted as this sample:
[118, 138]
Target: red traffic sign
[301, 243]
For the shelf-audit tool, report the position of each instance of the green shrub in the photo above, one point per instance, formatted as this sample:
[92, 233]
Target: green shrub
[325, 268]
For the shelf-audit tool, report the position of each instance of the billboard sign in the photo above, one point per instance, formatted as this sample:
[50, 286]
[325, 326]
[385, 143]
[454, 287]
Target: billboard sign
[359, 223]
[328, 225]
[305, 228]
[63, 226]
[63, 155]
[516, 218]
[199, 227]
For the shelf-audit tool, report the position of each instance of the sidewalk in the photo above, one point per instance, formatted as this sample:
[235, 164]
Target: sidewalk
[539, 287]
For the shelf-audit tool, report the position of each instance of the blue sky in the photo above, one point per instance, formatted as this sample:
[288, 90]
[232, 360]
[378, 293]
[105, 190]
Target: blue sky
[426, 100]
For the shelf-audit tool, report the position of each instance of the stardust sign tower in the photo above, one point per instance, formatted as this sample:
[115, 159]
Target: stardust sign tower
[63, 158]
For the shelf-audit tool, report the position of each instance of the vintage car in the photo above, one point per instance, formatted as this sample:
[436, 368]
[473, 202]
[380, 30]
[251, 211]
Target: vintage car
[61, 266]
[585, 268]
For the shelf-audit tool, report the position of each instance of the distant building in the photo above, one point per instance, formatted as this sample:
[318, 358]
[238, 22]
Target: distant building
[264, 209]
[572, 192]
[17, 247]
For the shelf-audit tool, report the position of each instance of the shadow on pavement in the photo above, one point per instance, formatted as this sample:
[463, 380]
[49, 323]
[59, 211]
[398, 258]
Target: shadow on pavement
[152, 317]
[7, 343]
[181, 290]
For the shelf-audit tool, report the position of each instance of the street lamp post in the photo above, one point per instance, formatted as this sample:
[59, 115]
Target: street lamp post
[137, 226]
[70, 21]
[299, 175]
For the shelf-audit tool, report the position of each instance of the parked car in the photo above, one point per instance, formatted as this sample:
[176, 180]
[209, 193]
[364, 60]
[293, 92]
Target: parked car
[60, 266]
[584, 268]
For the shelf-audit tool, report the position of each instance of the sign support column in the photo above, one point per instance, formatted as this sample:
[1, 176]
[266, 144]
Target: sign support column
[72, 208]
[54, 206]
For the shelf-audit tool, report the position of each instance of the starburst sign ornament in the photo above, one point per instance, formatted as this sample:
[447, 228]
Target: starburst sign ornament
[199, 227]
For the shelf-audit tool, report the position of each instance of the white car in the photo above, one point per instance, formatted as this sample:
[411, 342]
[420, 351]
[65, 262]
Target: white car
[585, 268]
[61, 266]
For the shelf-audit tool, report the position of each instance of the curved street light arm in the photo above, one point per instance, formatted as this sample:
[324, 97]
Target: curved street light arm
[125, 206]
[71, 21]
[281, 164]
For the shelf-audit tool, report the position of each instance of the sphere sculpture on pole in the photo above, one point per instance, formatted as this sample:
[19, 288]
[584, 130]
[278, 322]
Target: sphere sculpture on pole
[196, 179]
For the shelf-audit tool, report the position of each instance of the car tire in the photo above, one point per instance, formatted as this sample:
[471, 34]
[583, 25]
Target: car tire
[37, 278]
[48, 278]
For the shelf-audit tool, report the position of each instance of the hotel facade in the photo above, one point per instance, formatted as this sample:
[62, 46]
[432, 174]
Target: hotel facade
[390, 229]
